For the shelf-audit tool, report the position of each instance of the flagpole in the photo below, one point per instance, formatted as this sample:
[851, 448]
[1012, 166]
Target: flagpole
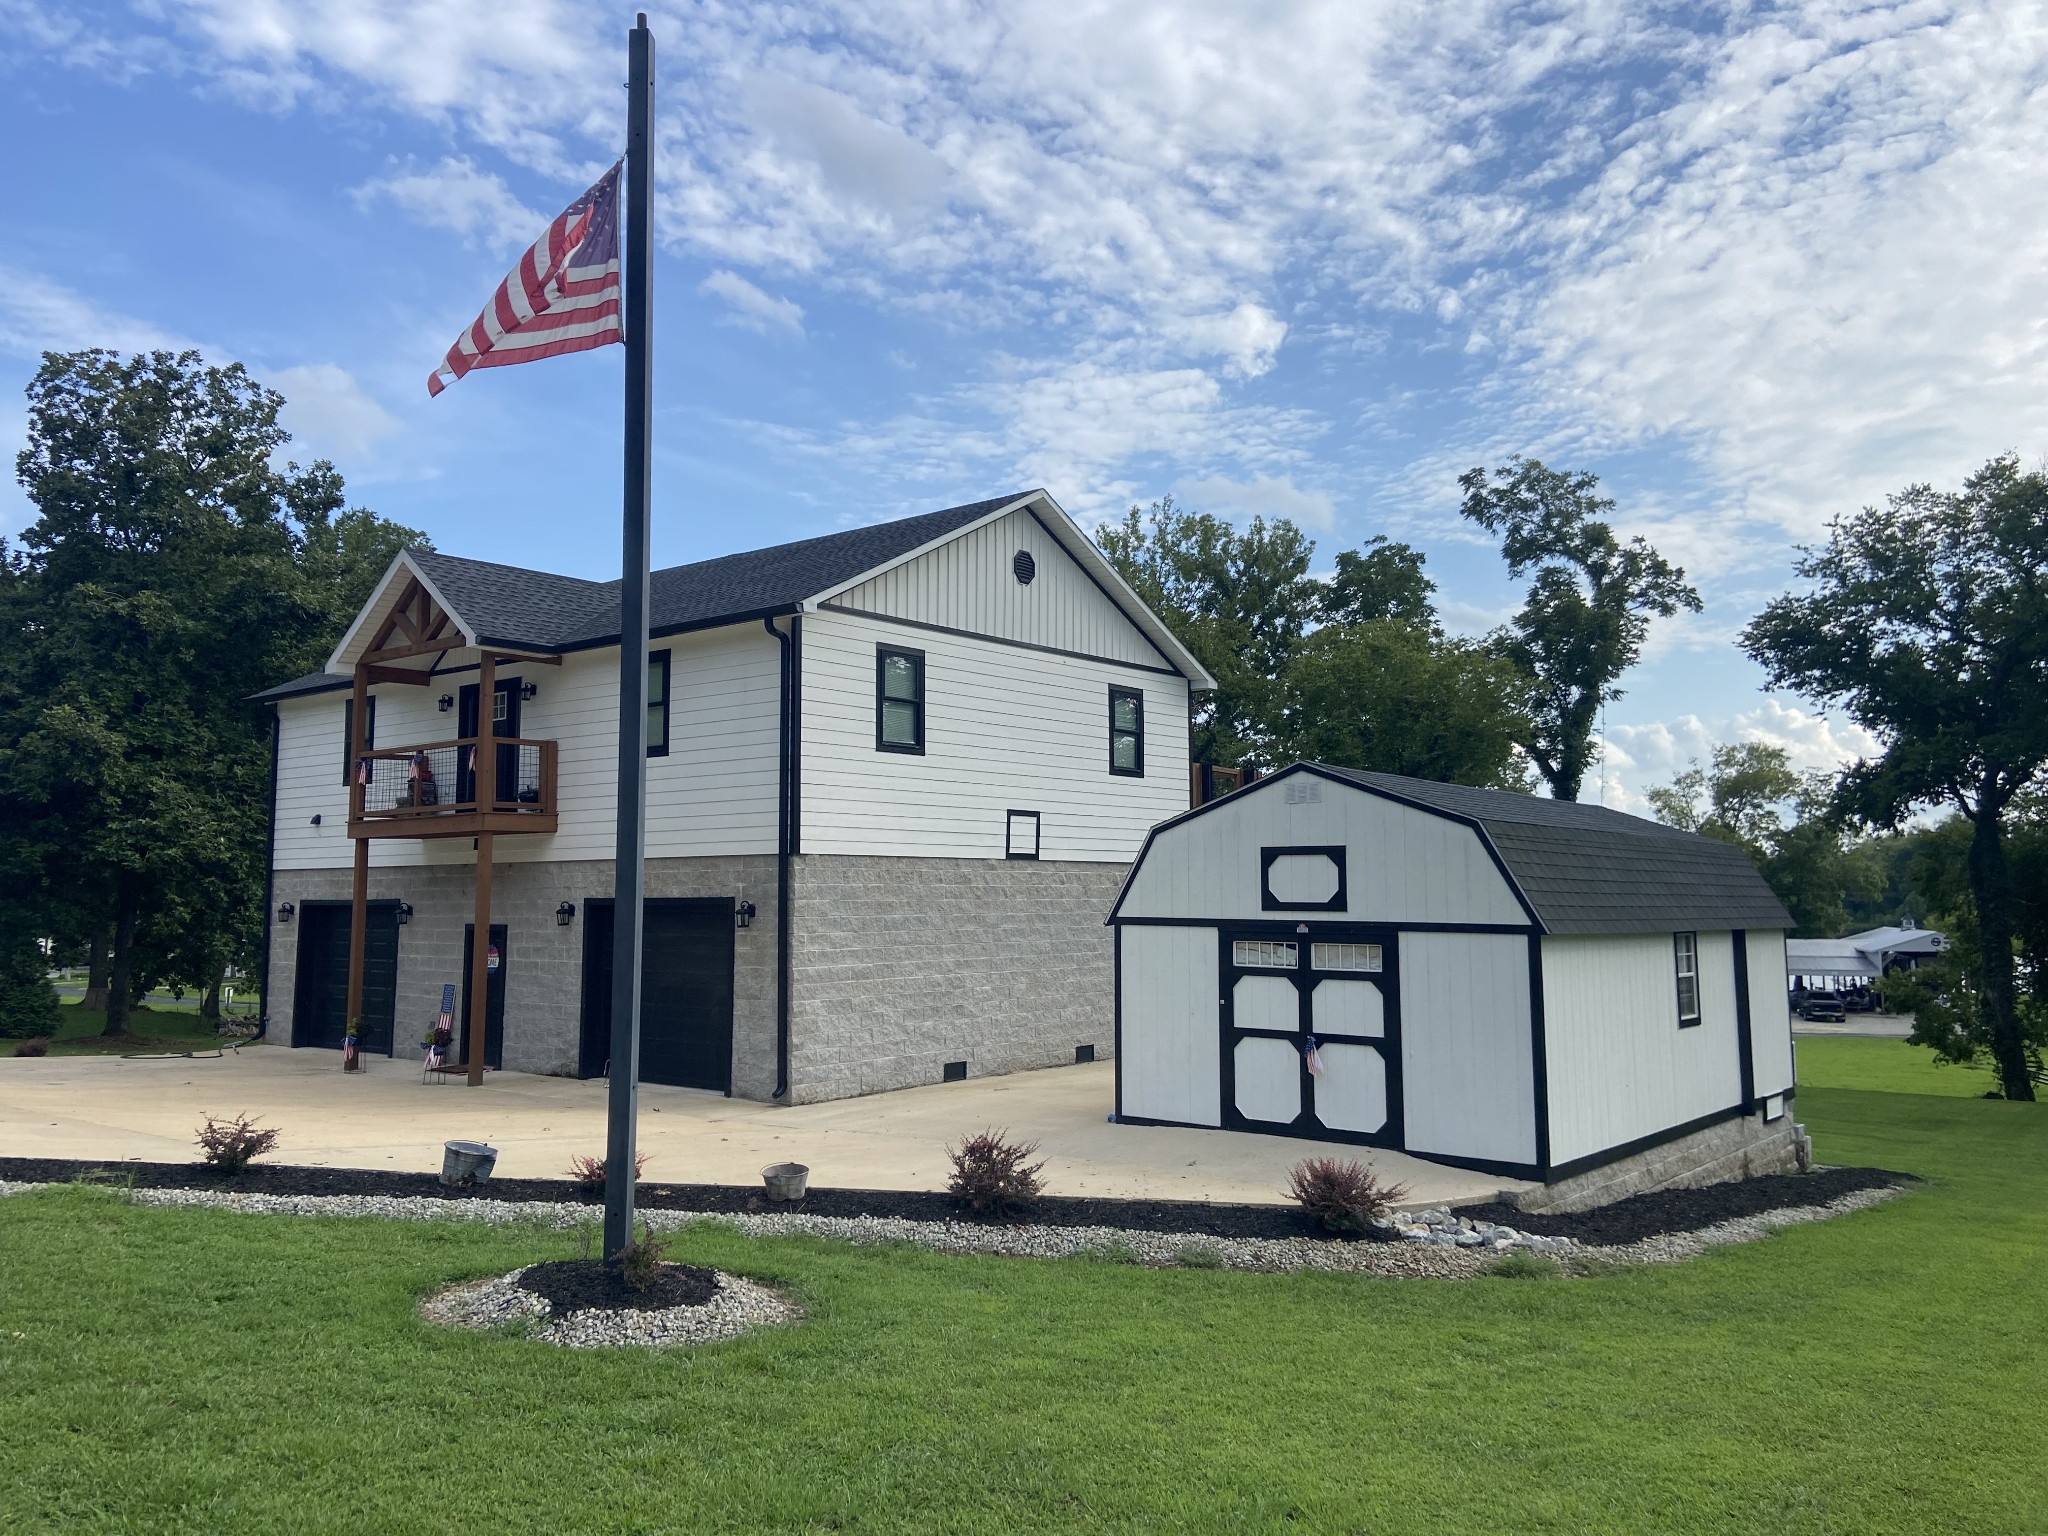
[629, 879]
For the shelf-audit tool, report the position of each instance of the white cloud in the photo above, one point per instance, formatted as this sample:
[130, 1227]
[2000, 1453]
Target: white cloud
[37, 315]
[753, 309]
[455, 195]
[1267, 496]
[1645, 754]
[328, 410]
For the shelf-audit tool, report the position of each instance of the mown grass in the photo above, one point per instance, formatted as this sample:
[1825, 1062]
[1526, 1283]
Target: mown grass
[1886, 1066]
[197, 1371]
[78, 1032]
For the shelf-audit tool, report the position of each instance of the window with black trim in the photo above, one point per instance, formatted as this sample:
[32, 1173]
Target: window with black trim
[1685, 950]
[657, 703]
[1127, 732]
[1020, 835]
[348, 734]
[899, 699]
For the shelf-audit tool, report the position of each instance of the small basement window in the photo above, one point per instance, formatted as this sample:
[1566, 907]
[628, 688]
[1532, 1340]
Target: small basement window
[1020, 837]
[1686, 954]
[899, 700]
[1127, 732]
[1264, 954]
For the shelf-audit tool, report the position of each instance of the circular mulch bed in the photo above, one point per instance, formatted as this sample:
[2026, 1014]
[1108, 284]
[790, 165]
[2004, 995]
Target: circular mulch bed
[572, 1285]
[580, 1304]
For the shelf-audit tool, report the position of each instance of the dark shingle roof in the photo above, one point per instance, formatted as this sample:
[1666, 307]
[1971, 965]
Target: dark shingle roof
[1588, 869]
[509, 605]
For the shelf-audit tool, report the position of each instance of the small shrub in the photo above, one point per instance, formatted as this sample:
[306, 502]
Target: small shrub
[992, 1174]
[39, 1046]
[640, 1261]
[587, 1173]
[230, 1144]
[1345, 1195]
[1522, 1265]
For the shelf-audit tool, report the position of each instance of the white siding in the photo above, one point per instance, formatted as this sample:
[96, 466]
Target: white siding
[1167, 1064]
[1619, 1066]
[1770, 1014]
[969, 584]
[1404, 865]
[1005, 729]
[1468, 1085]
[312, 781]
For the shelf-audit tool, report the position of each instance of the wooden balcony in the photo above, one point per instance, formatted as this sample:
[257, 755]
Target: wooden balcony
[431, 789]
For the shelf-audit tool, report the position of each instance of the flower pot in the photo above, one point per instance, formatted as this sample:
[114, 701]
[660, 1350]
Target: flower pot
[466, 1164]
[786, 1181]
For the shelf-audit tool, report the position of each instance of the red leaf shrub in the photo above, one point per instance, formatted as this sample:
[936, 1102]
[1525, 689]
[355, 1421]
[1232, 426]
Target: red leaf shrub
[230, 1144]
[1346, 1195]
[39, 1046]
[587, 1173]
[640, 1261]
[992, 1174]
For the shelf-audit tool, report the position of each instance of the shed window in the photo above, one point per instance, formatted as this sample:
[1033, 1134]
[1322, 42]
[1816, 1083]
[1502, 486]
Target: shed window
[1264, 954]
[348, 734]
[1020, 835]
[1686, 953]
[1127, 732]
[657, 703]
[899, 700]
[1345, 957]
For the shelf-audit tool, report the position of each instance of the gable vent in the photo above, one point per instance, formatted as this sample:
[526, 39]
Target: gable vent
[1024, 566]
[1304, 791]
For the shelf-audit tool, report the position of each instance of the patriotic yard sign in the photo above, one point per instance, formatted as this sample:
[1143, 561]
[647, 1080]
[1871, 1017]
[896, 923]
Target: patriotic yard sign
[563, 296]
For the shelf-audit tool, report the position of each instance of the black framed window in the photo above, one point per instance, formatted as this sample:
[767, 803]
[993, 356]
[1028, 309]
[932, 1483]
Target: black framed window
[1127, 732]
[1685, 952]
[348, 734]
[657, 703]
[899, 699]
[1020, 835]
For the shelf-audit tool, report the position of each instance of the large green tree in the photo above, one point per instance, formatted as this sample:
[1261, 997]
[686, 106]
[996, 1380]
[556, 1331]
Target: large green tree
[1590, 602]
[175, 568]
[1927, 623]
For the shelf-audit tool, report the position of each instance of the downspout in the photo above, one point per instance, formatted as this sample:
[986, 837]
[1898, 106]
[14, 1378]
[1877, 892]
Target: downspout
[783, 818]
[269, 880]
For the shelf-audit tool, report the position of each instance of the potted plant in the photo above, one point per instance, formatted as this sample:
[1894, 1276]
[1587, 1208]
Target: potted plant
[351, 1060]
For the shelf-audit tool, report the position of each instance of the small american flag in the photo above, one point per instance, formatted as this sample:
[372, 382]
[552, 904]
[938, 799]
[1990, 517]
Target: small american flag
[563, 296]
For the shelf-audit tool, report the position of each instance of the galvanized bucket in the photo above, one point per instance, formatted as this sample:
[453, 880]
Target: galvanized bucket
[786, 1181]
[466, 1164]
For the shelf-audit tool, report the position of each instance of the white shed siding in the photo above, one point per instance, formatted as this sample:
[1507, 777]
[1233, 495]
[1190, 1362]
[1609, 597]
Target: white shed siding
[1770, 1015]
[1005, 729]
[969, 584]
[1404, 865]
[1468, 1083]
[1619, 1066]
[1167, 1061]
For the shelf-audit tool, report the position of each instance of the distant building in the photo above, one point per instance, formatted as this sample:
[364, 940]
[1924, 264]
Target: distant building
[1862, 956]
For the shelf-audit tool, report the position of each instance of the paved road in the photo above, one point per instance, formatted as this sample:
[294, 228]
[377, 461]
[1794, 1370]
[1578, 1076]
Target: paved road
[1884, 1026]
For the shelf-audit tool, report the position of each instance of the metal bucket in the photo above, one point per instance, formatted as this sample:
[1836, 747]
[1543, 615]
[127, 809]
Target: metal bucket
[786, 1181]
[466, 1164]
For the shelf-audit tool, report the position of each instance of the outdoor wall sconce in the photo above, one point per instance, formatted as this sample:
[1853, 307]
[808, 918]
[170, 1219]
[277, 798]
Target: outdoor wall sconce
[316, 820]
[447, 702]
[285, 912]
[565, 914]
[404, 913]
[744, 912]
[528, 691]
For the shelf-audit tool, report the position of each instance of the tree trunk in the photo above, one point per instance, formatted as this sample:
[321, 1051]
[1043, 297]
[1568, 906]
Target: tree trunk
[1991, 887]
[121, 977]
[96, 948]
[209, 996]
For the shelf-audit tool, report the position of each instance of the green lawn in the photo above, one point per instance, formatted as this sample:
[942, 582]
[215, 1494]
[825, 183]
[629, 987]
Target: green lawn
[149, 1029]
[1886, 1066]
[197, 1371]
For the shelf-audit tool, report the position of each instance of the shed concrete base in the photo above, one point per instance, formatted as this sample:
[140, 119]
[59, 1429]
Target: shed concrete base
[1733, 1149]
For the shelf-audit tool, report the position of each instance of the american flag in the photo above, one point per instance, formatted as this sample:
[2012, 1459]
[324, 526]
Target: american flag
[563, 296]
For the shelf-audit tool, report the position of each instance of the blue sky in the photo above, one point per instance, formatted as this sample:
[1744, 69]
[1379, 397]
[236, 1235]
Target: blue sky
[1753, 264]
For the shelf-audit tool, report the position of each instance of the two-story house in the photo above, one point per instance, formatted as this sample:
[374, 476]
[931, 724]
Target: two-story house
[895, 776]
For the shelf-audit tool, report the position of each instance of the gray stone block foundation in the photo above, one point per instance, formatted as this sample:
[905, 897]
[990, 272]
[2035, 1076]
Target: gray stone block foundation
[1734, 1149]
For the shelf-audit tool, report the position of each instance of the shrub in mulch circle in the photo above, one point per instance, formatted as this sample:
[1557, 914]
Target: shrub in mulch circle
[39, 1046]
[1346, 1196]
[993, 1175]
[230, 1144]
[587, 1173]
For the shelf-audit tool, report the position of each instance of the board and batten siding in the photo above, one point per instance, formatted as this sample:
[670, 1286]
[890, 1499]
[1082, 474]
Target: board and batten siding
[713, 794]
[1006, 728]
[1168, 1062]
[969, 584]
[1619, 1065]
[1770, 1014]
[1404, 865]
[1468, 1079]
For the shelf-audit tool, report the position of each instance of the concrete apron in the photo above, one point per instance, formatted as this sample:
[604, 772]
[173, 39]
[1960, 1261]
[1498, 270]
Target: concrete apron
[384, 1117]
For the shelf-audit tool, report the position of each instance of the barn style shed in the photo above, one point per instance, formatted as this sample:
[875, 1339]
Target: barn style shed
[1542, 989]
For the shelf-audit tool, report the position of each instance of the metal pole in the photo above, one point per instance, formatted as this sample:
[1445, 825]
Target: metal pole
[629, 877]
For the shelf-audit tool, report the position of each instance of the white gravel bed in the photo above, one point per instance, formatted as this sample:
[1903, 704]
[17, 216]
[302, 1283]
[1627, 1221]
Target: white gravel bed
[739, 1307]
[1677, 1247]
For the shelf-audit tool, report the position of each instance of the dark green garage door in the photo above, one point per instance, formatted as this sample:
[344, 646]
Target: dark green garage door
[320, 996]
[685, 992]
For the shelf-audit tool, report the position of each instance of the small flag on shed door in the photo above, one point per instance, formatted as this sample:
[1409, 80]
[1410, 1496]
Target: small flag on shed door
[1312, 1057]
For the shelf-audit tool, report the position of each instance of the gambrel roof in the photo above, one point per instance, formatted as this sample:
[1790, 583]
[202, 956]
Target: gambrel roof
[511, 607]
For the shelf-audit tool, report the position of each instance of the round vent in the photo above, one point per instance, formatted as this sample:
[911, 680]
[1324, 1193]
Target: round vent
[1024, 566]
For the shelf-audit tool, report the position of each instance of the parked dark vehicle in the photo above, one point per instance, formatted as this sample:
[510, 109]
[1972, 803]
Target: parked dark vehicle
[1861, 1000]
[1823, 1007]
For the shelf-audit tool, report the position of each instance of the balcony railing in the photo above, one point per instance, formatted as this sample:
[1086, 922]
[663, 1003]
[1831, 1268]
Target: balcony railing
[430, 789]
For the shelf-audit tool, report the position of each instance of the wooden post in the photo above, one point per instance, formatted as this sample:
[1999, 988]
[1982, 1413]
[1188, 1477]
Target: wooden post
[486, 750]
[359, 903]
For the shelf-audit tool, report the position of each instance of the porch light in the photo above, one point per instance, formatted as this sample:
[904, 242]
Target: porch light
[404, 913]
[744, 912]
[286, 911]
[447, 702]
[528, 691]
[565, 914]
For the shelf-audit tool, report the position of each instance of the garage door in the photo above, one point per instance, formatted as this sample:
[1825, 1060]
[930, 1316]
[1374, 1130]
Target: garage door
[320, 993]
[685, 992]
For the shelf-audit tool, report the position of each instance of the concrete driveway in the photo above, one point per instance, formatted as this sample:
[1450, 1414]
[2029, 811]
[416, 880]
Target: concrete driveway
[104, 1107]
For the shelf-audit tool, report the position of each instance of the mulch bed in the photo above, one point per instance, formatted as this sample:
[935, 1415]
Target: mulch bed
[1627, 1221]
[571, 1285]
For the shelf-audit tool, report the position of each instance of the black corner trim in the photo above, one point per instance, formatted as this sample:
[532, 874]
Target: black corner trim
[1539, 1051]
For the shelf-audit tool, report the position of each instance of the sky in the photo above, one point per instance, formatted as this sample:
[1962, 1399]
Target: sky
[1754, 265]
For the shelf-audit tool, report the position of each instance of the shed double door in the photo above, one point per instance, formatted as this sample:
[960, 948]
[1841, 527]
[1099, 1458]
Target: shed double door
[686, 991]
[320, 991]
[1327, 986]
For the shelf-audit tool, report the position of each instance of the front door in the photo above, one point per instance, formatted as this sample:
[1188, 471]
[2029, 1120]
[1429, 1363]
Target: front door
[495, 962]
[504, 722]
[686, 992]
[1311, 1032]
[320, 989]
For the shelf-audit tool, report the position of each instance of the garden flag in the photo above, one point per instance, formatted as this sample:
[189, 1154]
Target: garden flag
[563, 296]
[1312, 1057]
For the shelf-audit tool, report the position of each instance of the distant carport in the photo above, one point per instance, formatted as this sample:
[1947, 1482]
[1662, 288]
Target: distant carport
[1829, 960]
